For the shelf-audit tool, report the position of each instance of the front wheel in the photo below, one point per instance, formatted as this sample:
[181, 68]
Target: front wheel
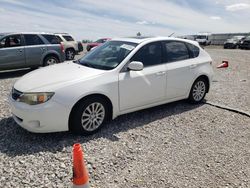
[88, 116]
[198, 91]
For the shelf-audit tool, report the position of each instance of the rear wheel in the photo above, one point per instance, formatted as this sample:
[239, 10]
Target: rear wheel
[70, 54]
[50, 60]
[89, 116]
[198, 90]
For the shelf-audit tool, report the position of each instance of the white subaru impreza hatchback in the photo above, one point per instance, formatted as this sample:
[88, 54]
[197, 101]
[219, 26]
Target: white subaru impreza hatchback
[121, 76]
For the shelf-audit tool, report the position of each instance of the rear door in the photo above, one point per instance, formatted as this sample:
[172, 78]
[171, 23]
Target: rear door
[12, 54]
[180, 68]
[35, 48]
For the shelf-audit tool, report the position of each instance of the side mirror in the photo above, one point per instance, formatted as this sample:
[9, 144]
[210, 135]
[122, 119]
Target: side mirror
[135, 66]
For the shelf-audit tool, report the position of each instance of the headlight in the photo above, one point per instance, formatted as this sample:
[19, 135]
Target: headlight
[35, 98]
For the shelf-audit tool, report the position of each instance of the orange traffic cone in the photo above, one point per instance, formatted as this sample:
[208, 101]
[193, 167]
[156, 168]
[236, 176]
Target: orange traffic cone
[80, 173]
[224, 64]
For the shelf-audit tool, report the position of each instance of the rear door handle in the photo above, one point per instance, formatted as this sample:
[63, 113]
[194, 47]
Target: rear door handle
[193, 66]
[160, 73]
[20, 50]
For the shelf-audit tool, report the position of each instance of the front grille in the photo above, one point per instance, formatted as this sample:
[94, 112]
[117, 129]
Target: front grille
[16, 94]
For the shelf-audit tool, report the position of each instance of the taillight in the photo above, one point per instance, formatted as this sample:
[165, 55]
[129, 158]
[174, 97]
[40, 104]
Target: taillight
[62, 47]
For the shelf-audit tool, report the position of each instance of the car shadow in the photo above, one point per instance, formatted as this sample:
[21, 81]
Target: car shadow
[14, 73]
[16, 141]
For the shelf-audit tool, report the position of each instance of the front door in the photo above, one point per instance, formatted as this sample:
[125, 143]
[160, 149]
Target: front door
[139, 88]
[12, 54]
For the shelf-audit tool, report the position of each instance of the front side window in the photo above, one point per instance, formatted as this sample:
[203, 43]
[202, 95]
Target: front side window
[31, 39]
[176, 51]
[11, 41]
[150, 54]
[68, 38]
[108, 56]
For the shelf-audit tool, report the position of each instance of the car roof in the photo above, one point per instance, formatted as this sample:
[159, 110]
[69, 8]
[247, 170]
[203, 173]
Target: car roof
[139, 40]
[18, 33]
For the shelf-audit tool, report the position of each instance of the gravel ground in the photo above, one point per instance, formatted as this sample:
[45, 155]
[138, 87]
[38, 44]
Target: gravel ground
[173, 145]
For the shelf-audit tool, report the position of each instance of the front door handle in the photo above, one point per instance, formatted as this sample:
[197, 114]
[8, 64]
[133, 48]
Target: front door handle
[20, 50]
[160, 73]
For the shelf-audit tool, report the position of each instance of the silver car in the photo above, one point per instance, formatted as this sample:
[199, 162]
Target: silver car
[22, 50]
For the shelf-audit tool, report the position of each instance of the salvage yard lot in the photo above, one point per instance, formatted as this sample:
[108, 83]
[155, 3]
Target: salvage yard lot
[173, 145]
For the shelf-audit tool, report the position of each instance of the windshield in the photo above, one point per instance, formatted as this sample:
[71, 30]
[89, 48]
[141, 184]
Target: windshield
[108, 56]
[201, 37]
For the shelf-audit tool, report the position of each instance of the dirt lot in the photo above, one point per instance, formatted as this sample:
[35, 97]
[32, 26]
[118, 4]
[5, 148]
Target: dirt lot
[173, 145]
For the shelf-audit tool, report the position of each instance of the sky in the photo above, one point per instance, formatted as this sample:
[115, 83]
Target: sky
[93, 19]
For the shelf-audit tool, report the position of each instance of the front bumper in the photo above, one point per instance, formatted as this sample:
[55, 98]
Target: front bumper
[43, 118]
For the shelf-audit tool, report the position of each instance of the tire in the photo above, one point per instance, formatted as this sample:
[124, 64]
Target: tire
[198, 91]
[50, 60]
[88, 48]
[84, 120]
[70, 54]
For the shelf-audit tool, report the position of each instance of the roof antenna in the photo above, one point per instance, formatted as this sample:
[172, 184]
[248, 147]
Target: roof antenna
[171, 35]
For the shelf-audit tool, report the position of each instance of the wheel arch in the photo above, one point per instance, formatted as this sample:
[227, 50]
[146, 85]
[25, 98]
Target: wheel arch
[50, 54]
[98, 95]
[206, 78]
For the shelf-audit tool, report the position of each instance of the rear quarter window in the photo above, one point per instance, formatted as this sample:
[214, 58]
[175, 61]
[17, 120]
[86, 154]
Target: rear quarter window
[194, 50]
[68, 38]
[52, 39]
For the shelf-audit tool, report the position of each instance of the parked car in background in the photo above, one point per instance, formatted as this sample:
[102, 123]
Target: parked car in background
[203, 38]
[22, 50]
[80, 46]
[96, 43]
[121, 76]
[70, 45]
[245, 43]
[233, 42]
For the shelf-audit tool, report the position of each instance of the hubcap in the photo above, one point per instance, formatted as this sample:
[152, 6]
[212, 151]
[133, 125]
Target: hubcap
[70, 54]
[93, 116]
[51, 61]
[199, 90]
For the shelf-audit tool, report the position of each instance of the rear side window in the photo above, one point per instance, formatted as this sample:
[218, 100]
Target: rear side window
[176, 51]
[150, 54]
[68, 38]
[31, 39]
[194, 50]
[52, 39]
[11, 41]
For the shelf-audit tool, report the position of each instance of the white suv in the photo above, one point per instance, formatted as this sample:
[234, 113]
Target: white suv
[70, 45]
[121, 76]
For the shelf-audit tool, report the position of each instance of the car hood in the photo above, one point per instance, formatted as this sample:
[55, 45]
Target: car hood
[94, 44]
[50, 78]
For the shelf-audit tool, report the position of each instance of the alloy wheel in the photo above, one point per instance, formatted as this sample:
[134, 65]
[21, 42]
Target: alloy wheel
[93, 116]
